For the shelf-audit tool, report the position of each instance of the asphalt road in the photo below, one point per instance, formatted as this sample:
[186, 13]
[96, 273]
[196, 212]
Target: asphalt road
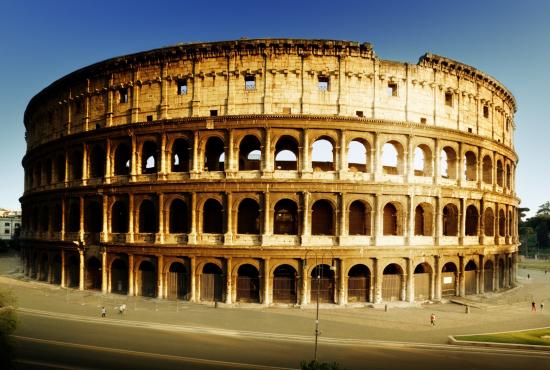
[45, 342]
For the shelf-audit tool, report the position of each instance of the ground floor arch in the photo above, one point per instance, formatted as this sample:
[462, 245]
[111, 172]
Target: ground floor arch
[392, 283]
[211, 283]
[56, 269]
[119, 276]
[73, 271]
[488, 275]
[284, 284]
[177, 281]
[470, 278]
[248, 284]
[44, 268]
[93, 274]
[147, 279]
[422, 281]
[322, 284]
[359, 283]
[449, 280]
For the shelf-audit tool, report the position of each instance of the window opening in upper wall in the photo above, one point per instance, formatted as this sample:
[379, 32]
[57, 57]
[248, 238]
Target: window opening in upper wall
[149, 118]
[485, 111]
[423, 120]
[213, 113]
[323, 83]
[449, 99]
[123, 95]
[392, 89]
[359, 113]
[249, 82]
[182, 87]
[287, 110]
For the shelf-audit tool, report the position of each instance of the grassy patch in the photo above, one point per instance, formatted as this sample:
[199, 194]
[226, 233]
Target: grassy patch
[533, 337]
[535, 264]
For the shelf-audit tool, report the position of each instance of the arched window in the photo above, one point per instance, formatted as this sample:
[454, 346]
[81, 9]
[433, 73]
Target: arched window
[392, 158]
[213, 154]
[471, 220]
[212, 221]
[508, 174]
[422, 161]
[322, 155]
[119, 217]
[359, 218]
[250, 154]
[44, 219]
[56, 219]
[75, 163]
[450, 220]
[97, 162]
[93, 217]
[501, 223]
[286, 154]
[322, 219]
[510, 224]
[390, 221]
[470, 166]
[48, 171]
[357, 156]
[122, 160]
[448, 163]
[423, 220]
[148, 220]
[60, 168]
[487, 170]
[248, 217]
[489, 222]
[500, 173]
[180, 156]
[74, 216]
[248, 284]
[285, 219]
[149, 157]
[178, 217]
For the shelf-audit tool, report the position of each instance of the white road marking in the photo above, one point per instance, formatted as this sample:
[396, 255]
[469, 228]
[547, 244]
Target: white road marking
[149, 354]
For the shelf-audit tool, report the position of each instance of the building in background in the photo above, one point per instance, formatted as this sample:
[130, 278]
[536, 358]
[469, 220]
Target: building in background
[10, 224]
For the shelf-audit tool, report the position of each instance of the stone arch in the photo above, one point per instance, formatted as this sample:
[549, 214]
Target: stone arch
[448, 163]
[423, 164]
[57, 218]
[322, 284]
[422, 281]
[285, 288]
[450, 220]
[73, 271]
[56, 269]
[472, 220]
[98, 160]
[470, 277]
[212, 217]
[93, 274]
[178, 217]
[248, 283]
[510, 223]
[359, 218]
[423, 216]
[214, 158]
[508, 175]
[501, 223]
[74, 216]
[449, 279]
[500, 173]
[392, 282]
[44, 218]
[501, 273]
[148, 217]
[322, 218]
[48, 171]
[119, 276]
[211, 282]
[248, 217]
[149, 157]
[119, 217]
[358, 155]
[287, 154]
[122, 159]
[60, 168]
[285, 220]
[177, 281]
[323, 154]
[488, 274]
[75, 165]
[147, 279]
[392, 158]
[487, 170]
[489, 222]
[250, 153]
[470, 166]
[180, 155]
[392, 223]
[359, 283]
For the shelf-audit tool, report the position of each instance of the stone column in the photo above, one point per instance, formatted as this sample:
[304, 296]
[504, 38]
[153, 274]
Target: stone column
[131, 290]
[104, 271]
[376, 163]
[410, 280]
[81, 228]
[106, 214]
[343, 216]
[481, 275]
[305, 288]
[162, 217]
[343, 163]
[342, 298]
[266, 152]
[228, 238]
[267, 283]
[160, 276]
[231, 164]
[460, 165]
[163, 158]
[409, 157]
[409, 233]
[306, 162]
[437, 279]
[438, 221]
[378, 276]
[85, 169]
[228, 280]
[134, 170]
[63, 267]
[63, 218]
[462, 221]
[377, 232]
[192, 236]
[267, 214]
[461, 277]
[81, 271]
[437, 162]
[193, 268]
[108, 165]
[131, 212]
[195, 169]
[306, 227]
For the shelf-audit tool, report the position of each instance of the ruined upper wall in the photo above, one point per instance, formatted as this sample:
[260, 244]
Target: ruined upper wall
[275, 76]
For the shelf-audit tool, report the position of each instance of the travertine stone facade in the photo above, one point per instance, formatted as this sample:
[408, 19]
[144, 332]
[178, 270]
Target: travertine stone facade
[262, 170]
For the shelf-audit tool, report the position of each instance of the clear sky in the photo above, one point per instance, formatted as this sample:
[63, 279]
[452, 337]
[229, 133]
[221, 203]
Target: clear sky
[41, 41]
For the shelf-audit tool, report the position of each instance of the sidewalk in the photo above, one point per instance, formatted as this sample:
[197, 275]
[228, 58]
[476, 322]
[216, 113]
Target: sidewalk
[402, 322]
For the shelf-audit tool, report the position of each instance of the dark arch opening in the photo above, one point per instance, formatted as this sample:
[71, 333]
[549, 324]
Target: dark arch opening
[248, 221]
[284, 284]
[75, 163]
[489, 222]
[286, 154]
[392, 282]
[149, 157]
[211, 283]
[180, 156]
[212, 221]
[73, 271]
[119, 277]
[93, 274]
[248, 284]
[285, 221]
[359, 218]
[450, 220]
[212, 154]
[470, 162]
[471, 220]
[322, 218]
[501, 223]
[97, 162]
[390, 220]
[147, 279]
[60, 168]
[148, 220]
[74, 216]
[119, 217]
[122, 159]
[177, 281]
[359, 284]
[93, 217]
[322, 284]
[179, 220]
[57, 218]
[250, 154]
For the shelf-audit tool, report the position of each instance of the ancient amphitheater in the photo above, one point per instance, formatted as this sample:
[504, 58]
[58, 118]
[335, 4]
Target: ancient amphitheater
[273, 171]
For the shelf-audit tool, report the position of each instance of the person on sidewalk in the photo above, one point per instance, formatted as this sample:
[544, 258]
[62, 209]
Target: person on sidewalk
[122, 308]
[541, 306]
[432, 319]
[533, 307]
[103, 311]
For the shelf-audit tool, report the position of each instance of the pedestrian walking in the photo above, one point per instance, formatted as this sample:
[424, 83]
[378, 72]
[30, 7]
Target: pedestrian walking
[103, 311]
[432, 319]
[541, 306]
[122, 308]
[528, 276]
[533, 307]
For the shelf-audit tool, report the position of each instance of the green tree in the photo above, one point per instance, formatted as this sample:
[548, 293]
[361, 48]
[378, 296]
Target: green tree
[542, 234]
[8, 323]
[544, 209]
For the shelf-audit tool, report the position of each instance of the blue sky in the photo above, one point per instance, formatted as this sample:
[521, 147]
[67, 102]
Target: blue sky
[41, 41]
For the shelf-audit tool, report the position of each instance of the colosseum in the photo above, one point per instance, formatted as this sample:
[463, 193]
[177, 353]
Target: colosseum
[272, 171]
